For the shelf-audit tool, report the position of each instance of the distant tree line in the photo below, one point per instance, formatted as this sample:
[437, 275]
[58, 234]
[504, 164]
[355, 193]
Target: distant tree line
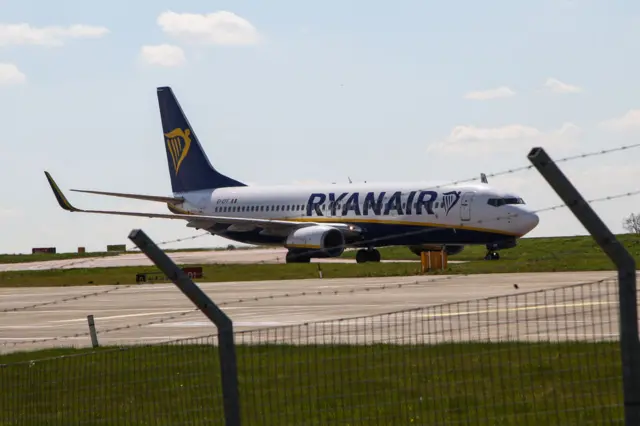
[631, 223]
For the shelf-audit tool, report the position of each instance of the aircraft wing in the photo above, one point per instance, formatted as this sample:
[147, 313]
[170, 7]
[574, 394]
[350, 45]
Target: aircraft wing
[176, 200]
[201, 220]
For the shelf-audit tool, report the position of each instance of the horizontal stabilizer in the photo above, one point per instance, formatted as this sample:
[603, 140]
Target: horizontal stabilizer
[160, 199]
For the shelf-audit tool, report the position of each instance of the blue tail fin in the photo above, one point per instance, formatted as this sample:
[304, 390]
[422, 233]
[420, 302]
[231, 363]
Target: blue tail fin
[189, 167]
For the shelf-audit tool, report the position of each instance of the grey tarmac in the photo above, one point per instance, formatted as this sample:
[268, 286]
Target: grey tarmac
[281, 304]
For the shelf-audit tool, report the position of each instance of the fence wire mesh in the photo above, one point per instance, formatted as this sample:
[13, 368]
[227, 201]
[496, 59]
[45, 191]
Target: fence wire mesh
[174, 383]
[546, 357]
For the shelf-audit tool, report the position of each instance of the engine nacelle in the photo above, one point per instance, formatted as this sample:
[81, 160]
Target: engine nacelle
[317, 240]
[449, 249]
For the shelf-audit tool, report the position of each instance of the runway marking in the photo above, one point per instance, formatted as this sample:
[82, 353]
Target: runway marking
[125, 316]
[101, 338]
[575, 335]
[235, 323]
[524, 308]
[538, 320]
[68, 311]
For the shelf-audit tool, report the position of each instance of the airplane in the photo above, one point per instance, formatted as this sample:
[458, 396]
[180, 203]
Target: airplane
[321, 221]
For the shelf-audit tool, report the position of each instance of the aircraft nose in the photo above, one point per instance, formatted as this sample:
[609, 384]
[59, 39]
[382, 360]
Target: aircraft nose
[529, 221]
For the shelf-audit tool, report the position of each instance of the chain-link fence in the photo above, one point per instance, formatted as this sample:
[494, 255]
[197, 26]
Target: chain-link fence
[547, 357]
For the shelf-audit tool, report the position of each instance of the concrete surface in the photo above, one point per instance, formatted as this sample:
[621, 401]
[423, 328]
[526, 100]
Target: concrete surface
[574, 312]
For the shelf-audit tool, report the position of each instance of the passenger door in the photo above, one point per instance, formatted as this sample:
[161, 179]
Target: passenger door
[465, 205]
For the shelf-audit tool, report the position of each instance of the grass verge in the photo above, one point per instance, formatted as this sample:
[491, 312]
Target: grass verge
[531, 255]
[526, 250]
[479, 383]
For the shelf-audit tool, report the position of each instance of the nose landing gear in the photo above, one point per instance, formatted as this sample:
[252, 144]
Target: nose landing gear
[492, 249]
[492, 255]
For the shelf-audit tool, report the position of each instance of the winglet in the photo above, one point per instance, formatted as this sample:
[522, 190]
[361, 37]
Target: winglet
[62, 200]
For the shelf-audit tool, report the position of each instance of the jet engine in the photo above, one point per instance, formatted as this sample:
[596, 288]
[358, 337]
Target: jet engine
[449, 249]
[317, 240]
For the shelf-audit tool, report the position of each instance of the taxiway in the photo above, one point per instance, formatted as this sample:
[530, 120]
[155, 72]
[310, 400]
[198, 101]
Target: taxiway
[436, 309]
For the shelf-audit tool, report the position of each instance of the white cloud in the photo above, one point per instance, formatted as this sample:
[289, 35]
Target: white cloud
[558, 86]
[500, 92]
[472, 140]
[628, 121]
[164, 55]
[21, 34]
[10, 75]
[223, 28]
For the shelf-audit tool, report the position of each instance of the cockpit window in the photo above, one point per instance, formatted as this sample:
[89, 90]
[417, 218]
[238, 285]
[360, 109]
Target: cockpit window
[497, 202]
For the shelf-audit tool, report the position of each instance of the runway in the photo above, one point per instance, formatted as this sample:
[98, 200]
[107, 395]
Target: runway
[275, 255]
[556, 314]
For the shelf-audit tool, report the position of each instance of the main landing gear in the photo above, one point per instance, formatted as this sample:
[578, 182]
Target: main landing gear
[297, 258]
[367, 255]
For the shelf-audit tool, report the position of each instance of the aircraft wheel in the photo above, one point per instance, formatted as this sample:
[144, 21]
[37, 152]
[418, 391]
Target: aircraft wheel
[362, 256]
[297, 258]
[373, 255]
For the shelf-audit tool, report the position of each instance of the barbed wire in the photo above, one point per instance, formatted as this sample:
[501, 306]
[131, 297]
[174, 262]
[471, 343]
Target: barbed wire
[456, 182]
[177, 240]
[469, 224]
[108, 330]
[67, 299]
[353, 290]
[554, 255]
[129, 250]
[381, 287]
[315, 293]
[561, 160]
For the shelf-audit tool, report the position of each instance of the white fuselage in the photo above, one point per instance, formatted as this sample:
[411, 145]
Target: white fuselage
[460, 214]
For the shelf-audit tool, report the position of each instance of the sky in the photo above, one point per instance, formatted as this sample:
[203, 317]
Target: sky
[290, 92]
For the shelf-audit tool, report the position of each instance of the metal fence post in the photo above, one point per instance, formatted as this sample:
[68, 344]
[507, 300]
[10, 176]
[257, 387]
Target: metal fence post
[228, 365]
[92, 331]
[626, 265]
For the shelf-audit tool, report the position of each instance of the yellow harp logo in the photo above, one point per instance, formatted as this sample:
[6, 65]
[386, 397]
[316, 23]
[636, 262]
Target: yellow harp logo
[178, 143]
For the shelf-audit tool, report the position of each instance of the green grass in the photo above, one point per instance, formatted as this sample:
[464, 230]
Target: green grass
[212, 273]
[467, 383]
[527, 249]
[531, 255]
